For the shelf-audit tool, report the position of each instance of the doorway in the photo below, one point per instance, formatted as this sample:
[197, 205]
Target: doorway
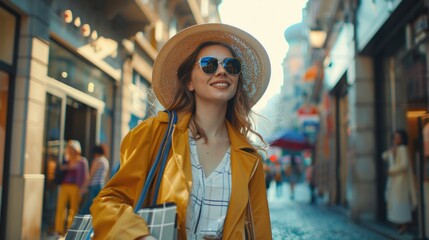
[80, 124]
[342, 165]
[66, 118]
[422, 167]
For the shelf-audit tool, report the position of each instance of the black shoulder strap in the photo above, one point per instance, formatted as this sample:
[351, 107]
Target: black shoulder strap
[160, 160]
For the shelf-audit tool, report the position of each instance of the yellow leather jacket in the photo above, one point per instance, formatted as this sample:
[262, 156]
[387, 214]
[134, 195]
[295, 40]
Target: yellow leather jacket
[112, 209]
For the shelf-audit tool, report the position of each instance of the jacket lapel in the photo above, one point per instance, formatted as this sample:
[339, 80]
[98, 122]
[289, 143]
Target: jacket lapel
[243, 162]
[181, 145]
[179, 157]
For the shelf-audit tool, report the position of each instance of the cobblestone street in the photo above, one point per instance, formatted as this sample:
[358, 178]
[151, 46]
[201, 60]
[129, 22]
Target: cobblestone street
[296, 219]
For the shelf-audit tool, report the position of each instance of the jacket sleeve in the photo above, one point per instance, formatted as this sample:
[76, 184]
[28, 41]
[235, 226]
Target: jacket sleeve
[401, 163]
[386, 154]
[112, 209]
[259, 204]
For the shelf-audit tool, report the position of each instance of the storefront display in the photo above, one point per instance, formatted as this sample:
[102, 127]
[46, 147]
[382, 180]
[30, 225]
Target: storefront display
[8, 41]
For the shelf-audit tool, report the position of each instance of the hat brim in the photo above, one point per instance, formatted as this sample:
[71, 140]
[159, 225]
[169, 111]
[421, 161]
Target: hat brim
[255, 62]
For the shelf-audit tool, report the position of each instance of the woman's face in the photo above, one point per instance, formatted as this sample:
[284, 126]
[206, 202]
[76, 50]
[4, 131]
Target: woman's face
[397, 140]
[218, 87]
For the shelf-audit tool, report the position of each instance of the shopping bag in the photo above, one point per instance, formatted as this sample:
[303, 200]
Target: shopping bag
[161, 219]
[81, 227]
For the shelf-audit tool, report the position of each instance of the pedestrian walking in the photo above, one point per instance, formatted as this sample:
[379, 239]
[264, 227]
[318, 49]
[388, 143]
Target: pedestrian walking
[211, 75]
[400, 192]
[311, 181]
[71, 187]
[293, 171]
[278, 178]
[269, 173]
[97, 176]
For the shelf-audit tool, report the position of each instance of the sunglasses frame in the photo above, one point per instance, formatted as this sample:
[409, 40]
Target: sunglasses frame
[218, 62]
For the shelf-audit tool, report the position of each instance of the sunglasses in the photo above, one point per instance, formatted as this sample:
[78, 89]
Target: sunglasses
[209, 65]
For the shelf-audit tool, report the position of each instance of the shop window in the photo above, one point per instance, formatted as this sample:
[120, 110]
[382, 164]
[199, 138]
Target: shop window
[413, 71]
[140, 96]
[68, 68]
[80, 74]
[7, 33]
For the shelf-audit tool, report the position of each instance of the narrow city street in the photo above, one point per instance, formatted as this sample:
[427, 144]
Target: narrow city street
[297, 219]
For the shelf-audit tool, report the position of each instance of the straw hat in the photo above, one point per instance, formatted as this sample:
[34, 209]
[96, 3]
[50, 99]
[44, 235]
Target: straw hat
[254, 59]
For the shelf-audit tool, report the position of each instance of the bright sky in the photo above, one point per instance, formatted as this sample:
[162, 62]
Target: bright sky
[267, 21]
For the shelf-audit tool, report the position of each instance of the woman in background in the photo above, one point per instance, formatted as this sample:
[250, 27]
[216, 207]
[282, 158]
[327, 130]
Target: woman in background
[72, 186]
[400, 191]
[97, 176]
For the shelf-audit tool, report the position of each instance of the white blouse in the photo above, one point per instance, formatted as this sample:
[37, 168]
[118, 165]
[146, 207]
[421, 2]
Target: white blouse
[209, 199]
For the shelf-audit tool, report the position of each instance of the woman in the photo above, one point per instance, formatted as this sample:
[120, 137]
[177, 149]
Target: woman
[211, 74]
[72, 187]
[400, 191]
[97, 176]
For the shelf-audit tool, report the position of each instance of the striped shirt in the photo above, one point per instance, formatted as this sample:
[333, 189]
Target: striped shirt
[209, 198]
[100, 174]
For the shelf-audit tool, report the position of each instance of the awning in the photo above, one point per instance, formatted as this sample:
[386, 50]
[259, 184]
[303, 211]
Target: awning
[291, 140]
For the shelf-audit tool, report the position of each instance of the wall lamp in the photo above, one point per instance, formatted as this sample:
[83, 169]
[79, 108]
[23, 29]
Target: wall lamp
[317, 37]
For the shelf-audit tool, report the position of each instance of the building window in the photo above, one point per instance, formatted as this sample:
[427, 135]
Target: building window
[76, 72]
[139, 99]
[72, 70]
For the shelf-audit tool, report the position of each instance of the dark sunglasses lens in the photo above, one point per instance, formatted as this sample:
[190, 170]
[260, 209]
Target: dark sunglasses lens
[208, 64]
[232, 65]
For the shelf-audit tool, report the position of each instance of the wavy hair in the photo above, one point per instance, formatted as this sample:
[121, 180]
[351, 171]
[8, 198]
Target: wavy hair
[238, 108]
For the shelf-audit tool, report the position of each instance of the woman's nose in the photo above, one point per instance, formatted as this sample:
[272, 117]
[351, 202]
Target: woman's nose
[220, 69]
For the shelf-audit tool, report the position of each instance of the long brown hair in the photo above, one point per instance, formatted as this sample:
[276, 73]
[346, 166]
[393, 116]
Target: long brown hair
[238, 108]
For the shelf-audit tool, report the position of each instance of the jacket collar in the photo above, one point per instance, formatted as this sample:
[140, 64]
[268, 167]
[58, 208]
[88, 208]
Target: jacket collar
[240, 142]
[183, 120]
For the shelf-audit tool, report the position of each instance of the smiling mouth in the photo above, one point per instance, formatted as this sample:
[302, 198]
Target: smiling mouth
[220, 84]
